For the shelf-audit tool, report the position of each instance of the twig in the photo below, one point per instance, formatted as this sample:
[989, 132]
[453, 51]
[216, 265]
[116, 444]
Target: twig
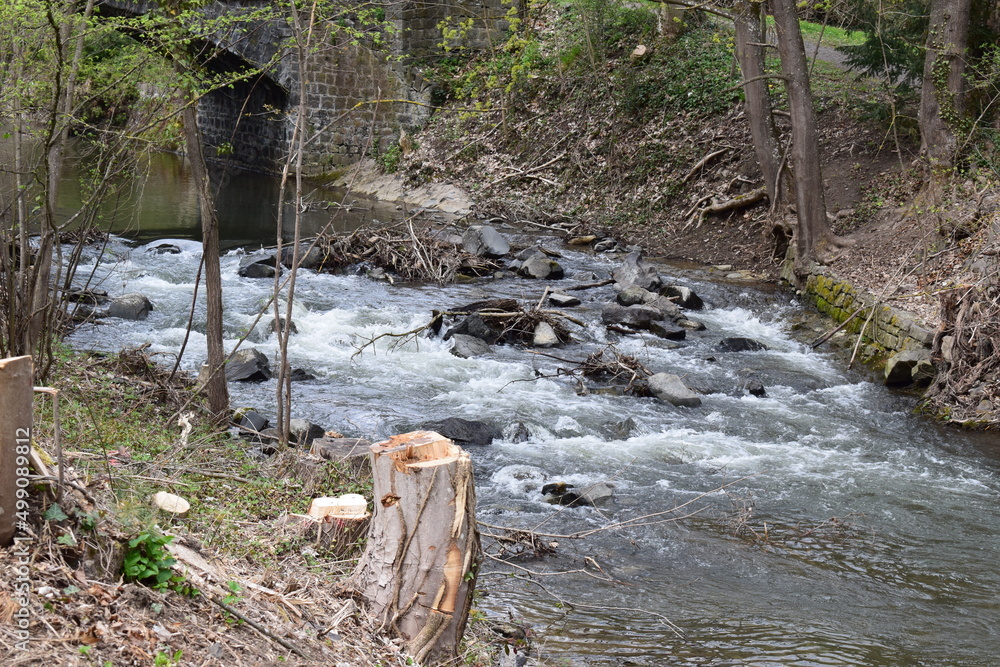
[260, 628]
[702, 162]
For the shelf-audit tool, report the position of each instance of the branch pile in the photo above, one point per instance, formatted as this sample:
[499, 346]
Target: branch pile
[414, 254]
[967, 355]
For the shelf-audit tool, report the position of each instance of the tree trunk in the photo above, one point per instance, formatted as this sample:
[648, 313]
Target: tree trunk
[812, 229]
[419, 568]
[942, 93]
[216, 389]
[16, 380]
[750, 54]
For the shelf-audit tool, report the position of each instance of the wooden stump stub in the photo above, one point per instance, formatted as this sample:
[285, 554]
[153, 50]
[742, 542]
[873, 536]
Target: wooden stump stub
[16, 393]
[419, 567]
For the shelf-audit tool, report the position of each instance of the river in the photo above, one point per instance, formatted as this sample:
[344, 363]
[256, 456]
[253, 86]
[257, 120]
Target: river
[850, 533]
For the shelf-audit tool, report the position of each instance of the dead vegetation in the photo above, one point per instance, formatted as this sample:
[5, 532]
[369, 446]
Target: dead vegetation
[411, 252]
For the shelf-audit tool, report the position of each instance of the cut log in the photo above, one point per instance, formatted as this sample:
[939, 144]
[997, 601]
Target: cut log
[418, 571]
[16, 380]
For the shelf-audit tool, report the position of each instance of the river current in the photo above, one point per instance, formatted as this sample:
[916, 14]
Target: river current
[849, 531]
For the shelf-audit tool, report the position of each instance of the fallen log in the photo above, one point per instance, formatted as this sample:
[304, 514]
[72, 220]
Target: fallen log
[419, 569]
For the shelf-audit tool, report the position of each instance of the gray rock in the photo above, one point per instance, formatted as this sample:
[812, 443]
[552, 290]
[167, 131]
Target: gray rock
[484, 241]
[669, 309]
[622, 430]
[756, 388]
[540, 267]
[469, 346]
[740, 344]
[693, 325]
[309, 258]
[250, 365]
[474, 325]
[909, 366]
[302, 432]
[163, 248]
[258, 265]
[562, 300]
[633, 316]
[301, 375]
[683, 297]
[634, 295]
[463, 431]
[605, 245]
[545, 335]
[130, 307]
[566, 494]
[668, 331]
[635, 270]
[670, 389]
[277, 325]
[252, 421]
[521, 433]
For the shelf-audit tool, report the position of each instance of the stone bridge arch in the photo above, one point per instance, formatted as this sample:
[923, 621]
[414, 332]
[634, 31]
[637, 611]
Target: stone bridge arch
[358, 99]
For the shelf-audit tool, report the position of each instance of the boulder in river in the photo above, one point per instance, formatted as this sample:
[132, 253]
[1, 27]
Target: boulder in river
[249, 365]
[908, 367]
[567, 494]
[634, 295]
[250, 421]
[466, 346]
[259, 265]
[756, 388]
[635, 270]
[740, 344]
[309, 257]
[545, 335]
[484, 241]
[671, 389]
[463, 431]
[667, 330]
[301, 375]
[277, 325]
[474, 325]
[540, 267]
[129, 307]
[563, 300]
[683, 297]
[632, 316]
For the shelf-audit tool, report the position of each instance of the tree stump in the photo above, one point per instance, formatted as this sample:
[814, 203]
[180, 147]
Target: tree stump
[419, 568]
[16, 379]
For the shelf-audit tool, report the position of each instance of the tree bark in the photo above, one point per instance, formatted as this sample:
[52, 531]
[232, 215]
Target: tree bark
[942, 93]
[419, 568]
[750, 54]
[16, 380]
[812, 229]
[216, 388]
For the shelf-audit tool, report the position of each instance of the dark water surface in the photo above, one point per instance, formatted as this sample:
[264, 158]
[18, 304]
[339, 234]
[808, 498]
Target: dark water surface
[851, 532]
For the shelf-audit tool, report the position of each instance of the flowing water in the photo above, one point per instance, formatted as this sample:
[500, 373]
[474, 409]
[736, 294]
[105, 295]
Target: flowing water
[850, 532]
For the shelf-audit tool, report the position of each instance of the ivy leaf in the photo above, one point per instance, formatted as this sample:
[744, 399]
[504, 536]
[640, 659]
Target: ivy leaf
[55, 513]
[67, 539]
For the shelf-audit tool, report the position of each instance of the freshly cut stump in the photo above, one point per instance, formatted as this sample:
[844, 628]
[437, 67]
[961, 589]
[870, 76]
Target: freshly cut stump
[16, 376]
[419, 568]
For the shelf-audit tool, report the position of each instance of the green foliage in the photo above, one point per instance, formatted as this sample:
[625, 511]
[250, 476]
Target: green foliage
[391, 157]
[592, 31]
[162, 659]
[148, 562]
[893, 47]
[693, 75]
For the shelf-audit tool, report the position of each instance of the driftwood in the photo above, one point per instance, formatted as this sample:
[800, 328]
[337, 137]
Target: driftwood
[419, 569]
[697, 213]
[410, 252]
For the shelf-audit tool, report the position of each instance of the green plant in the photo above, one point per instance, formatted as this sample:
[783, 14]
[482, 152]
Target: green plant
[167, 659]
[148, 562]
[391, 157]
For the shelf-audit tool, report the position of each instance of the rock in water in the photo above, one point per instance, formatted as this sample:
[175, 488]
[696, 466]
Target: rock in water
[463, 431]
[635, 270]
[545, 335]
[561, 300]
[670, 389]
[484, 241]
[258, 265]
[250, 365]
[130, 307]
[683, 297]
[738, 344]
[469, 346]
[302, 433]
[908, 366]
[541, 267]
